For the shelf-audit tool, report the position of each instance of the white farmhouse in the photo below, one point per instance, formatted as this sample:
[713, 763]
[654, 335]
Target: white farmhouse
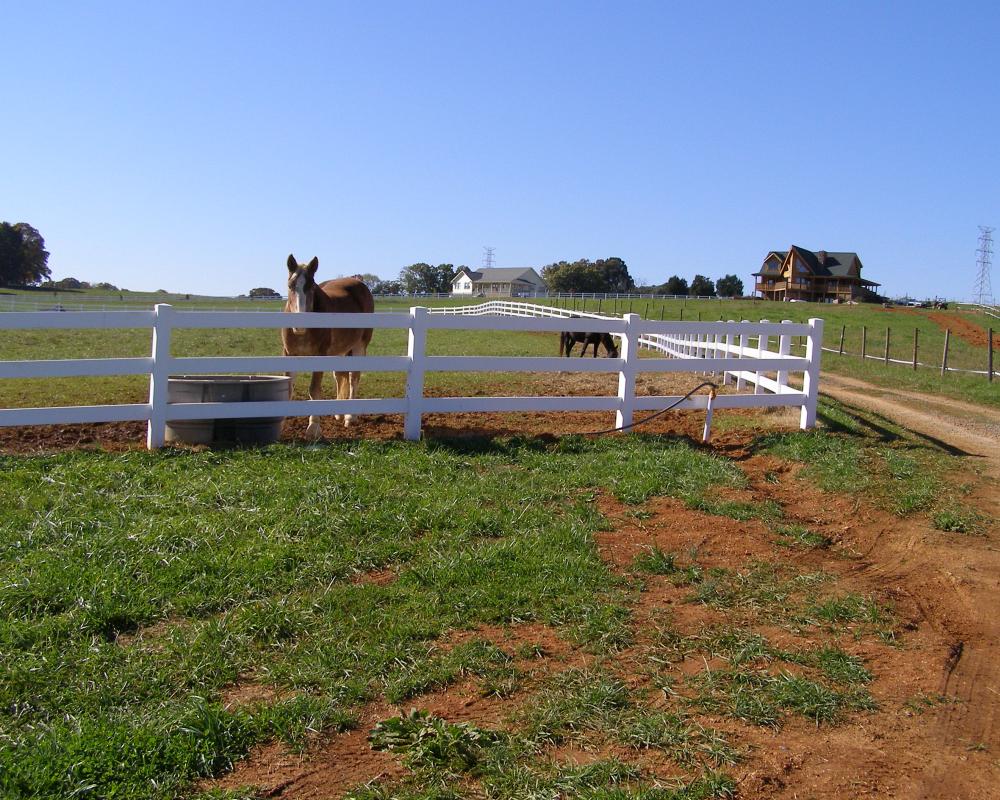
[503, 281]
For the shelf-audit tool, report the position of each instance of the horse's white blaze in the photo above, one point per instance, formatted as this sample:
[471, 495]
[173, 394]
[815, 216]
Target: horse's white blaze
[297, 298]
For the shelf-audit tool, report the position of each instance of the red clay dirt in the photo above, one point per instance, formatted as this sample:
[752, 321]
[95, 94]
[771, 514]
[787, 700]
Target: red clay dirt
[961, 327]
[937, 731]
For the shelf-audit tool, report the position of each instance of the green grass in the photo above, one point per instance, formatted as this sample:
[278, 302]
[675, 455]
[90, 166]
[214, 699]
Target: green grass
[137, 587]
[594, 703]
[861, 453]
[762, 698]
[956, 518]
[749, 689]
[801, 536]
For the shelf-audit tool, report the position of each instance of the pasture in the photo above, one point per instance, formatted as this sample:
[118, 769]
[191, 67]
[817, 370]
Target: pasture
[620, 617]
[496, 611]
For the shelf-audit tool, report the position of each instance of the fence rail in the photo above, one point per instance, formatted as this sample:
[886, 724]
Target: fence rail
[739, 350]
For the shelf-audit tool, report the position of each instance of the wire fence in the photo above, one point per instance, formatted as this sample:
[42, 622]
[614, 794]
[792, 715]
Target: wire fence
[916, 348]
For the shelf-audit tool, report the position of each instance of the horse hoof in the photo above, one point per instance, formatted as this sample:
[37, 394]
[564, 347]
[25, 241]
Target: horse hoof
[347, 420]
[337, 417]
[314, 431]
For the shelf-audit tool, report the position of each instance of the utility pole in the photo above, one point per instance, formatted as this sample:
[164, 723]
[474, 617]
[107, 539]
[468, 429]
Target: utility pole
[983, 291]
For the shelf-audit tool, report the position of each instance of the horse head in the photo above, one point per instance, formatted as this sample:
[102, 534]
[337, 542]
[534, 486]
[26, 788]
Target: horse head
[301, 287]
[610, 346]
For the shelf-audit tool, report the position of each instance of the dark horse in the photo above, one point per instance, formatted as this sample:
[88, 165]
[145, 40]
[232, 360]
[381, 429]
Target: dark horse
[567, 340]
[344, 295]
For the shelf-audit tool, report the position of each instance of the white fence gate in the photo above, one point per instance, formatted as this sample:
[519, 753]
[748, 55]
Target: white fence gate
[741, 351]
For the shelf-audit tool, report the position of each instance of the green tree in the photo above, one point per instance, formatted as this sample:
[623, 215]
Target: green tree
[603, 275]
[614, 273]
[386, 287]
[729, 286]
[23, 257]
[423, 278]
[702, 287]
[675, 285]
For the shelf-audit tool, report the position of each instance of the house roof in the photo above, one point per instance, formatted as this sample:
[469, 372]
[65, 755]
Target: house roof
[770, 267]
[829, 264]
[499, 274]
[822, 263]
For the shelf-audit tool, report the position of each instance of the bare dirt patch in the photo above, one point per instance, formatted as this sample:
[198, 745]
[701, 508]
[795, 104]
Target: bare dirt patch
[963, 329]
[329, 769]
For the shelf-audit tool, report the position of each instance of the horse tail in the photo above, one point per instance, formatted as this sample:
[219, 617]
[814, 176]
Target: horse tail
[562, 342]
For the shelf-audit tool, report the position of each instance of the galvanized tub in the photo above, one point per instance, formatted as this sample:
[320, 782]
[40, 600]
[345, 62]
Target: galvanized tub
[226, 389]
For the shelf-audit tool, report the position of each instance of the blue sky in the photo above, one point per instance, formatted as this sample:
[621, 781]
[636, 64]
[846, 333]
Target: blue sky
[192, 146]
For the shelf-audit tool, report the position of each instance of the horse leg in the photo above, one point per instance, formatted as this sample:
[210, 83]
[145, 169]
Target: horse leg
[352, 382]
[344, 392]
[315, 430]
[362, 351]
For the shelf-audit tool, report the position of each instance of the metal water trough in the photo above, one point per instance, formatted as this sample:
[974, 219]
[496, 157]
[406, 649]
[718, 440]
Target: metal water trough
[226, 389]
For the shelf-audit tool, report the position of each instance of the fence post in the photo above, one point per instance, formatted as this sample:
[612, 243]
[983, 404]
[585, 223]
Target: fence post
[626, 378]
[742, 355]
[843, 330]
[944, 356]
[864, 342]
[989, 355]
[416, 351]
[729, 353]
[784, 348]
[763, 344]
[916, 331]
[887, 344]
[156, 428]
[810, 378]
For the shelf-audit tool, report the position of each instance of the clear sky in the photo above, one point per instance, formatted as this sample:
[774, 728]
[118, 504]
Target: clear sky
[192, 146]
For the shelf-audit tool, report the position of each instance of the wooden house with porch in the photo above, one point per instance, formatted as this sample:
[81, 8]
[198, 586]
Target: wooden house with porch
[497, 281]
[820, 277]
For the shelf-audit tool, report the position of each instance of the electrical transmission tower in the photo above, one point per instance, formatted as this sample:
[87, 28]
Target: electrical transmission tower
[983, 293]
[488, 261]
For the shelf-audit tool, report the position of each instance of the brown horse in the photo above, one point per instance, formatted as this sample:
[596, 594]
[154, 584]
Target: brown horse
[344, 295]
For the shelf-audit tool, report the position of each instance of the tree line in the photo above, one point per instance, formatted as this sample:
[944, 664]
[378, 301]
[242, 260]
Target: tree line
[24, 261]
[603, 275]
[700, 286]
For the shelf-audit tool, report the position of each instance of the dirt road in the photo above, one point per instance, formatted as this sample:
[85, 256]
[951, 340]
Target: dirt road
[965, 576]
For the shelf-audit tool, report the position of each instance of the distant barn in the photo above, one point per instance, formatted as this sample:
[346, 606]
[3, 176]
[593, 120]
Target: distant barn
[820, 277]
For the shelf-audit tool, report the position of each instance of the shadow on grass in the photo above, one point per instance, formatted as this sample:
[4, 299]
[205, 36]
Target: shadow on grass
[477, 441]
[870, 425]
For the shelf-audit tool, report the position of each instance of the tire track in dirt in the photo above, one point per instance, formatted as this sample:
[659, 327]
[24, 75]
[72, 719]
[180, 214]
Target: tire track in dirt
[965, 574]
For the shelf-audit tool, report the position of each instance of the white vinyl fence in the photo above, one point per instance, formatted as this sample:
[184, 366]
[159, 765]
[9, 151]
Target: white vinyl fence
[740, 351]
